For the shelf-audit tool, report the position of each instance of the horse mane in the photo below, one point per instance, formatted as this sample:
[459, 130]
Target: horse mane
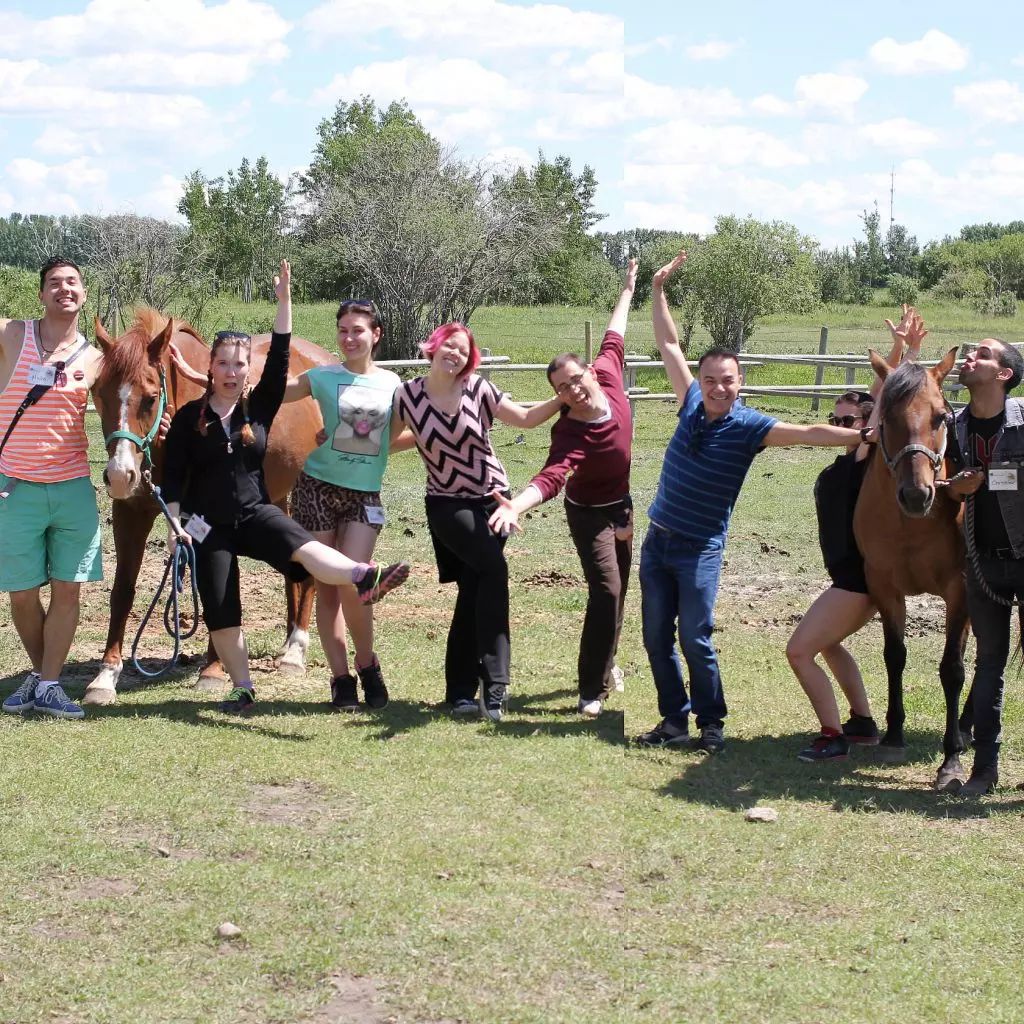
[903, 384]
[129, 355]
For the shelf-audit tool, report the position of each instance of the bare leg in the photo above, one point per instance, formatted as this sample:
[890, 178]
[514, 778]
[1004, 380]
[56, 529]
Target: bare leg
[833, 617]
[234, 655]
[324, 563]
[330, 620]
[59, 627]
[29, 617]
[847, 672]
[357, 540]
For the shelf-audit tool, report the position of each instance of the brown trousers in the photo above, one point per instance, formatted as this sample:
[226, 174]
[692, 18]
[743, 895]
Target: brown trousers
[606, 563]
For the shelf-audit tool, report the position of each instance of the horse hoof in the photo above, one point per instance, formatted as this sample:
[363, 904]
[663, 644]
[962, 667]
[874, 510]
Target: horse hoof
[212, 684]
[289, 667]
[891, 754]
[949, 780]
[100, 696]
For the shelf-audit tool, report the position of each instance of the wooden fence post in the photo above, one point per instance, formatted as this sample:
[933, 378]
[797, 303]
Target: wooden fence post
[851, 375]
[588, 341]
[819, 371]
[482, 369]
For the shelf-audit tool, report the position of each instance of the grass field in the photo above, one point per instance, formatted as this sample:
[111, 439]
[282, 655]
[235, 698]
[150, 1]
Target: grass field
[400, 866]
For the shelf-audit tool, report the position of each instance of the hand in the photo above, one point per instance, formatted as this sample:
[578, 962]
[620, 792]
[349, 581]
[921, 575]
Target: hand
[165, 426]
[670, 268]
[910, 331]
[184, 367]
[625, 533]
[870, 435]
[283, 283]
[964, 484]
[504, 519]
[321, 437]
[630, 282]
[175, 533]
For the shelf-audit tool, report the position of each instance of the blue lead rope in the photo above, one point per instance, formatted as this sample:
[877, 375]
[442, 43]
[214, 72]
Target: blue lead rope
[179, 564]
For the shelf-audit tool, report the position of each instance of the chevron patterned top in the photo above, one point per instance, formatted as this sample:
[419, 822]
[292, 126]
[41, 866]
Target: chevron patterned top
[455, 449]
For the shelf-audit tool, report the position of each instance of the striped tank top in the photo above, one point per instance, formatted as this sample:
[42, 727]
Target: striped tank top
[49, 444]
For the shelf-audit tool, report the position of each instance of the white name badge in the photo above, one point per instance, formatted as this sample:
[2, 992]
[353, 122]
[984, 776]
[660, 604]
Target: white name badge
[375, 515]
[198, 528]
[1002, 479]
[41, 374]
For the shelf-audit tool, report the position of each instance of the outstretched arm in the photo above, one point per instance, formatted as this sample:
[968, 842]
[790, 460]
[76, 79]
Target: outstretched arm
[665, 335]
[505, 518]
[820, 435]
[620, 314]
[512, 414]
[185, 368]
[297, 388]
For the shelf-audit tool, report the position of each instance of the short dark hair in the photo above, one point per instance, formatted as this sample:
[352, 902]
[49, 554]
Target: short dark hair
[52, 264]
[364, 307]
[719, 352]
[1011, 359]
[560, 360]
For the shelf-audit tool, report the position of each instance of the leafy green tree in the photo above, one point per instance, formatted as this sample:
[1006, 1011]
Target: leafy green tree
[749, 269]
[869, 254]
[902, 290]
[838, 277]
[902, 253]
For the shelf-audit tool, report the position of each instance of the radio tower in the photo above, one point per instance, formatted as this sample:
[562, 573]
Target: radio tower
[892, 193]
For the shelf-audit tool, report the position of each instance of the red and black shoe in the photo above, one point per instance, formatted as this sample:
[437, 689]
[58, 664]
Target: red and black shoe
[379, 581]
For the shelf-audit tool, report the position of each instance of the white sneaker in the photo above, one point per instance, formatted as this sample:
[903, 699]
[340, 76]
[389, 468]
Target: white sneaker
[620, 679]
[591, 708]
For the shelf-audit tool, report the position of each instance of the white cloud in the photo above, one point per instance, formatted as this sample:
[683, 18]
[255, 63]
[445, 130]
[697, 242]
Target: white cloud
[686, 142]
[933, 53]
[678, 216]
[169, 26]
[507, 159]
[658, 43]
[829, 94]
[141, 69]
[421, 80]
[995, 101]
[480, 123]
[486, 24]
[773, 106]
[575, 115]
[161, 200]
[31, 185]
[898, 135]
[60, 140]
[604, 71]
[713, 50]
[648, 99]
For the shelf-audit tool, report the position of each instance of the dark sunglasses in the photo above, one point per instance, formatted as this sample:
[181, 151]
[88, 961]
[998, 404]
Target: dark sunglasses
[60, 378]
[362, 305]
[843, 421]
[697, 437]
[232, 336]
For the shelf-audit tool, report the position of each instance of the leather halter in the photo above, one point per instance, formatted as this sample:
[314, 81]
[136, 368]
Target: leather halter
[934, 457]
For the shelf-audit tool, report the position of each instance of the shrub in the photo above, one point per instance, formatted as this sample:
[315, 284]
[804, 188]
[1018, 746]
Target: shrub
[1004, 304]
[902, 289]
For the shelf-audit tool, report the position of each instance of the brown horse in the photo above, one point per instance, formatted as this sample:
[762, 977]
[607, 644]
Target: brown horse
[137, 370]
[911, 536]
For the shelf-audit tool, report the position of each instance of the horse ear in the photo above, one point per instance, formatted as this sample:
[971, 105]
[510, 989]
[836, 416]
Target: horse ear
[878, 364]
[106, 342]
[159, 344]
[939, 371]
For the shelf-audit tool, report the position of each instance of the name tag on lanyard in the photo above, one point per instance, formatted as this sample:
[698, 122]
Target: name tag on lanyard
[1002, 476]
[42, 374]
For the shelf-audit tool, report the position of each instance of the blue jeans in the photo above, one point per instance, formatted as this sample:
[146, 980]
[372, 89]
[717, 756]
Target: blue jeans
[678, 585]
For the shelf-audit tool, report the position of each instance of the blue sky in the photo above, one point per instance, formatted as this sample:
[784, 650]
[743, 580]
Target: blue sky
[794, 111]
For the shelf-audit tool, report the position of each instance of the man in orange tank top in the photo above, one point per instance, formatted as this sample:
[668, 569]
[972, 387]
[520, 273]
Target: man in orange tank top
[49, 523]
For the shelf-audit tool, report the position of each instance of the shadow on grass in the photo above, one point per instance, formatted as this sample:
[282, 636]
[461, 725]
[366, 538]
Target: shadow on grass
[765, 768]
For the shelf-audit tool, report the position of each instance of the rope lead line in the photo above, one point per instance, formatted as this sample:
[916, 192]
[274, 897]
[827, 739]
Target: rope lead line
[182, 562]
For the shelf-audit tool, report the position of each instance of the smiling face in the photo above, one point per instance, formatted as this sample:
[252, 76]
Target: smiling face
[720, 381]
[575, 384]
[357, 337]
[229, 369]
[452, 355]
[63, 293]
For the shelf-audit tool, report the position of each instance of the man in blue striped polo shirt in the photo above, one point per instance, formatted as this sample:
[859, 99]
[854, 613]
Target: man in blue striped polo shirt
[705, 464]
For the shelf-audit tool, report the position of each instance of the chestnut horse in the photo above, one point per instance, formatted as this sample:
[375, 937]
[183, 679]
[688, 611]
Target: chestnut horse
[136, 380]
[911, 536]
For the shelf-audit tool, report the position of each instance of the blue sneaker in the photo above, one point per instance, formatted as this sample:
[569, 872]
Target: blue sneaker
[24, 697]
[56, 702]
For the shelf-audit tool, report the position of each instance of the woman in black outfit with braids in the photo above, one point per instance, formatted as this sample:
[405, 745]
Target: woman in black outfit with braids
[213, 472]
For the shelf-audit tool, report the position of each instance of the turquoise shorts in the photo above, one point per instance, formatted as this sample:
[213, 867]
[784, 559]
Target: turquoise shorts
[49, 532]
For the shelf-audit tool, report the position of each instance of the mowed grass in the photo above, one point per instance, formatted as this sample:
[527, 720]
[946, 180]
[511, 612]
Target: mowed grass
[403, 866]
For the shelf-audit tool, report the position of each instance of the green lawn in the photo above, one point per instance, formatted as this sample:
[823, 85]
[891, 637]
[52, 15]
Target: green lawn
[401, 866]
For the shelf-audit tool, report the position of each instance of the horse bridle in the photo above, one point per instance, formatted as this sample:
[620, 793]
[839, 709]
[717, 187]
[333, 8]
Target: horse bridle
[934, 457]
[144, 443]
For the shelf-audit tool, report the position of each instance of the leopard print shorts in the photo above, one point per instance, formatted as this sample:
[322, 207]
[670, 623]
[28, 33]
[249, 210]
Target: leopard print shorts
[318, 506]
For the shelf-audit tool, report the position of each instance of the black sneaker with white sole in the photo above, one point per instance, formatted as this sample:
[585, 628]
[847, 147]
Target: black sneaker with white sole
[664, 734]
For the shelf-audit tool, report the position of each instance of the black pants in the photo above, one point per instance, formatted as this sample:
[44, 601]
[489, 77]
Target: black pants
[606, 563]
[990, 622]
[470, 555]
[263, 532]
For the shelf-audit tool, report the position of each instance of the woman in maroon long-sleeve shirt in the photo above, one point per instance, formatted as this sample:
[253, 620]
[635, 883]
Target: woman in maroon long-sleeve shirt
[590, 456]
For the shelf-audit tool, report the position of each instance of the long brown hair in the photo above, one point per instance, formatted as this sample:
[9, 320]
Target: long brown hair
[242, 341]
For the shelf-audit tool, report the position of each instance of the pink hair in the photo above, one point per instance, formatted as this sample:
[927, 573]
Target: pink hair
[442, 334]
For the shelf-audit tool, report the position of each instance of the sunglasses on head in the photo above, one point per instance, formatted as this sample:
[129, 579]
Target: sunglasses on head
[232, 336]
[363, 305]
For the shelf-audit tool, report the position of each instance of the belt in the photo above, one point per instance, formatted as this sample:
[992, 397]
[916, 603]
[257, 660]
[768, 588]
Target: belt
[999, 554]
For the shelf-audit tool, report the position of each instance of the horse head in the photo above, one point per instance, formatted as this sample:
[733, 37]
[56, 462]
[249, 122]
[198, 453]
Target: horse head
[130, 396]
[913, 429]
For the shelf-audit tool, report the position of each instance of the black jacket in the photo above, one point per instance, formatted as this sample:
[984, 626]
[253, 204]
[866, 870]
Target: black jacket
[206, 477]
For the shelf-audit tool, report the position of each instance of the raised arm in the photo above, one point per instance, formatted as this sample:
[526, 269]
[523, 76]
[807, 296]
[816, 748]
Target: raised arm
[665, 335]
[269, 392]
[620, 314]
[512, 414]
[906, 342]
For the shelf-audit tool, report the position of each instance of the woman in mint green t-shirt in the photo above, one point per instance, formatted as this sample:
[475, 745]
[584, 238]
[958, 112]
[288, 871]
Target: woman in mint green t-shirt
[337, 496]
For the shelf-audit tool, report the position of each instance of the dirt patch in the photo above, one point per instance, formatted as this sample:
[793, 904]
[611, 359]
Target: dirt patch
[292, 803]
[57, 931]
[103, 889]
[357, 1001]
[552, 578]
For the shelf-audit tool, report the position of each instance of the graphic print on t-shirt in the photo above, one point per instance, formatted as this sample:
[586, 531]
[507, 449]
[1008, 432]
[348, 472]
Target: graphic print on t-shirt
[982, 447]
[362, 419]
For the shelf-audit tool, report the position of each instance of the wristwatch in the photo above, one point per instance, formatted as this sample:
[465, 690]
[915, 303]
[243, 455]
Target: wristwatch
[864, 431]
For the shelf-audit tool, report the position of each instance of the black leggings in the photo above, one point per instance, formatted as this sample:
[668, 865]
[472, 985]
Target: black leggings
[265, 533]
[470, 554]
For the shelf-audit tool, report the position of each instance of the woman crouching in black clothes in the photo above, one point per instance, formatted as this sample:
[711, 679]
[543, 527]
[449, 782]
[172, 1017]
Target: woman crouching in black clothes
[213, 472]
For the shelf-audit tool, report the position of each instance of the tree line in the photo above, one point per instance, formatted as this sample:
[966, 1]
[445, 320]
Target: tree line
[384, 211]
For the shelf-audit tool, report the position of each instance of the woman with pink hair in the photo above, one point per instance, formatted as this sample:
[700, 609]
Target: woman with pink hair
[450, 412]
